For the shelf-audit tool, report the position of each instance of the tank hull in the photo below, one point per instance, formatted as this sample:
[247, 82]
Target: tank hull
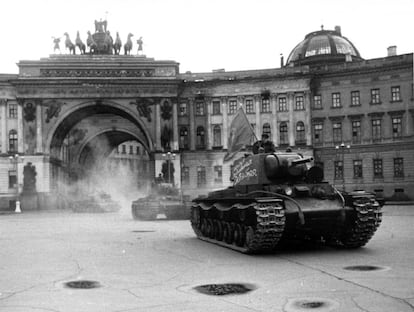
[149, 208]
[261, 224]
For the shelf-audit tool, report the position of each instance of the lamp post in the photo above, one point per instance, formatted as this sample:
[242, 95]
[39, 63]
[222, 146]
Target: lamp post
[342, 148]
[169, 156]
[15, 159]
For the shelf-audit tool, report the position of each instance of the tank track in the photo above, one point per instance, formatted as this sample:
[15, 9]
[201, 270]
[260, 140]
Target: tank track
[368, 217]
[241, 234]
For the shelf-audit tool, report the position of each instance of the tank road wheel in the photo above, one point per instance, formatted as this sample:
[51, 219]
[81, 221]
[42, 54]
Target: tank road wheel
[239, 235]
[218, 230]
[249, 241]
[204, 227]
[195, 216]
[210, 228]
[227, 233]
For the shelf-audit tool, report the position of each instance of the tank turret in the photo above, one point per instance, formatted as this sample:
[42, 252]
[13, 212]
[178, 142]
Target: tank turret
[277, 197]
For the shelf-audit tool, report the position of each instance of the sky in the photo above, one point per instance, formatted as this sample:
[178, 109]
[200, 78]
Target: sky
[203, 35]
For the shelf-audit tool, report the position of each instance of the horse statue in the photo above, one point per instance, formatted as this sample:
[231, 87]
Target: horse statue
[80, 44]
[56, 41]
[128, 45]
[108, 42]
[91, 43]
[118, 44]
[68, 44]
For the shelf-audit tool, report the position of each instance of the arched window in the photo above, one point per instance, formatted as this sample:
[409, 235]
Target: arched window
[300, 133]
[200, 143]
[283, 130]
[184, 138]
[266, 130]
[216, 136]
[13, 140]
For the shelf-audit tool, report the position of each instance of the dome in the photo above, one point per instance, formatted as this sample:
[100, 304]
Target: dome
[324, 46]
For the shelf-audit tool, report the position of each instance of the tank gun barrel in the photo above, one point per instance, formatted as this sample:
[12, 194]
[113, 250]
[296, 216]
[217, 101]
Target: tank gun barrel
[297, 162]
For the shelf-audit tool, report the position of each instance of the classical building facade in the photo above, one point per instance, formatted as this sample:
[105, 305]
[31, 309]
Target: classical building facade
[66, 113]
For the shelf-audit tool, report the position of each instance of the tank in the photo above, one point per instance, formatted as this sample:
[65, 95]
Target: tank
[97, 201]
[277, 197]
[163, 199]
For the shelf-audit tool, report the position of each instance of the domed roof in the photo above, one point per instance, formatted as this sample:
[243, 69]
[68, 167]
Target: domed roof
[324, 46]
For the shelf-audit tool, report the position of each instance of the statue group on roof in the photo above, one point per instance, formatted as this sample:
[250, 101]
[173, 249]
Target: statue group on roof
[100, 42]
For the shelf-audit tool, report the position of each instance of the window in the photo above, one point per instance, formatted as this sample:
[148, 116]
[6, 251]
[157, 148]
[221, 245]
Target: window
[299, 103]
[376, 129]
[336, 100]
[375, 96]
[398, 167]
[131, 149]
[339, 169]
[216, 108]
[216, 136]
[182, 109]
[318, 133]
[267, 130]
[282, 106]
[12, 110]
[123, 149]
[300, 133]
[218, 176]
[201, 176]
[13, 141]
[249, 106]
[185, 175]
[396, 127]
[337, 132]
[377, 168]
[266, 105]
[283, 131]
[355, 98]
[12, 178]
[199, 108]
[232, 106]
[137, 150]
[184, 138]
[317, 102]
[358, 168]
[395, 94]
[356, 131]
[200, 143]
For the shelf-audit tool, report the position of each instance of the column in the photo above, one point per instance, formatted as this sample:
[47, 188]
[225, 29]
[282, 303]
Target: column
[3, 113]
[175, 126]
[20, 136]
[157, 126]
[192, 123]
[275, 135]
[39, 129]
[209, 132]
[258, 130]
[308, 122]
[225, 122]
[291, 125]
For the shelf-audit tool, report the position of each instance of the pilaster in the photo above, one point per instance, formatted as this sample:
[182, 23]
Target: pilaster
[291, 126]
[258, 129]
[3, 113]
[274, 125]
[157, 126]
[175, 125]
[192, 123]
[225, 122]
[20, 136]
[209, 132]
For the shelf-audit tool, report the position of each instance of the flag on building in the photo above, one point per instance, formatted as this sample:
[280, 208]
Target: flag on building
[240, 134]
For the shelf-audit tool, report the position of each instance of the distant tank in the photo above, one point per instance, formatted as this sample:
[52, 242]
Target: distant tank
[164, 199]
[276, 197]
[98, 201]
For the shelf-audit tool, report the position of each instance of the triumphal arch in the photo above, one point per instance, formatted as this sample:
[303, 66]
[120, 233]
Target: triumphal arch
[75, 107]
